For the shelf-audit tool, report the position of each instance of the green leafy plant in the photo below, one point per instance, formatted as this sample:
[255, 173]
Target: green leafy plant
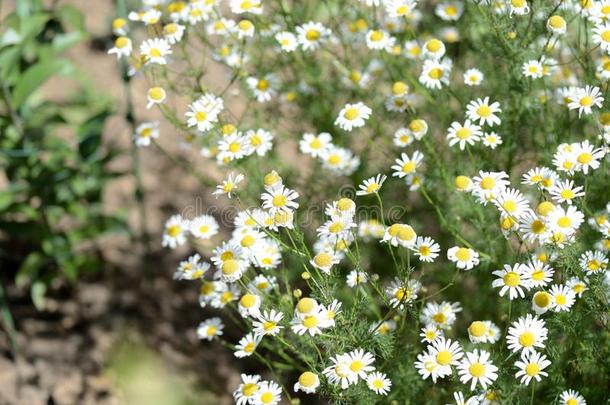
[51, 151]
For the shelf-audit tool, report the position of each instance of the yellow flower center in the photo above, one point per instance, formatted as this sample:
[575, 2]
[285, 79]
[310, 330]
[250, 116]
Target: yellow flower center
[584, 157]
[267, 398]
[560, 299]
[484, 111]
[376, 36]
[444, 357]
[356, 366]
[512, 279]
[200, 116]
[527, 339]
[477, 328]
[557, 22]
[462, 182]
[545, 208]
[606, 37]
[249, 389]
[435, 73]
[518, 3]
[279, 200]
[308, 379]
[434, 45]
[439, 317]
[230, 267]
[310, 321]
[306, 305]
[323, 259]
[477, 370]
[564, 222]
[487, 183]
[463, 254]
[262, 84]
[542, 299]
[211, 330]
[174, 230]
[351, 113]
[312, 35]
[532, 369]
[463, 133]
[587, 101]
[121, 42]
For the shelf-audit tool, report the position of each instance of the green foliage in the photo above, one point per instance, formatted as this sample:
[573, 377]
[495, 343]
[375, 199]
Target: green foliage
[51, 151]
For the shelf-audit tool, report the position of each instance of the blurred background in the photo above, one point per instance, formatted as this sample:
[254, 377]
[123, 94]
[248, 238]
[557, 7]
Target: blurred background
[80, 204]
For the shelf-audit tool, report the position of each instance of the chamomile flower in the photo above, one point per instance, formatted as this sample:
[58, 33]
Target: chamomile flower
[249, 305]
[175, 231]
[203, 113]
[191, 269]
[556, 25]
[601, 36]
[360, 364]
[120, 26]
[402, 293]
[311, 323]
[155, 50]
[537, 273]
[473, 77]
[428, 366]
[477, 331]
[449, 11]
[250, 384]
[287, 40]
[339, 372]
[371, 185]
[518, 7]
[484, 112]
[122, 47]
[259, 141]
[510, 202]
[210, 328]
[229, 185]
[379, 40]
[527, 334]
[442, 315]
[566, 221]
[571, 397]
[584, 99]
[308, 382]
[146, 132]
[407, 166]
[246, 346]
[463, 134]
[426, 249]
[378, 383]
[488, 185]
[565, 191]
[478, 369]
[315, 145]
[447, 353]
[435, 73]
[434, 49]
[403, 137]
[311, 35]
[541, 302]
[324, 261]
[246, 6]
[511, 279]
[155, 95]
[355, 278]
[588, 157]
[492, 140]
[269, 393]
[430, 333]
[262, 87]
[245, 29]
[463, 257]
[353, 116]
[400, 234]
[593, 262]
[533, 68]
[562, 297]
[577, 286]
[173, 32]
[399, 8]
[530, 367]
